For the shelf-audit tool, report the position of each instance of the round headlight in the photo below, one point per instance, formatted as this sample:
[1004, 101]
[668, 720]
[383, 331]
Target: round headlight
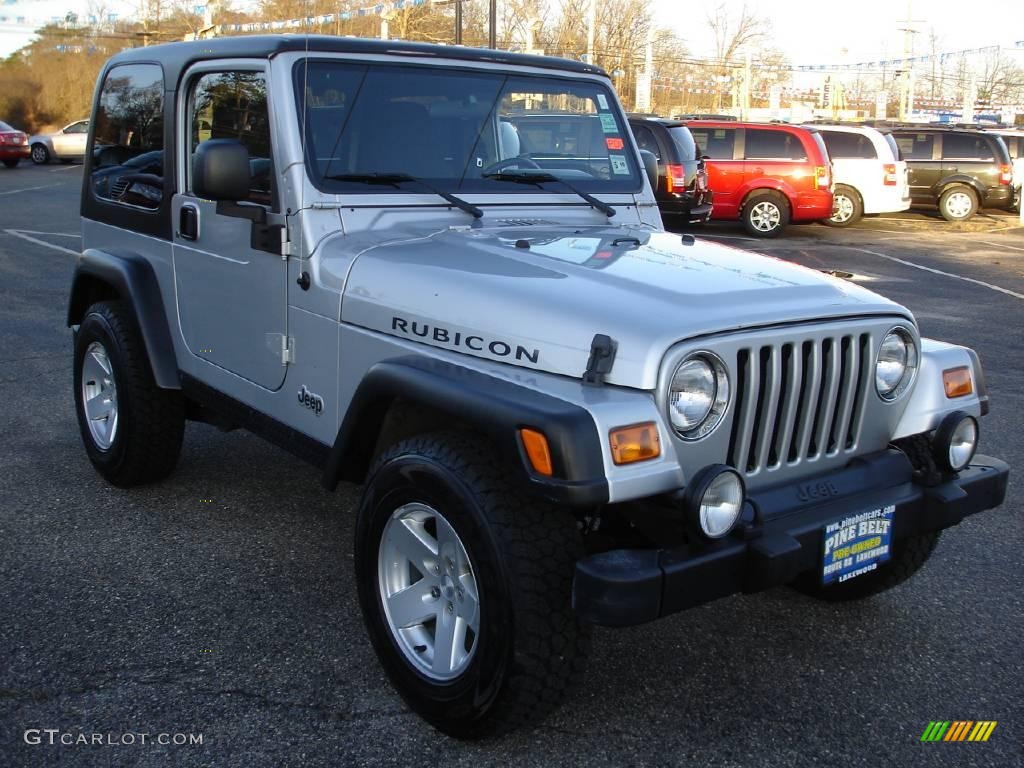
[698, 395]
[713, 500]
[955, 441]
[896, 364]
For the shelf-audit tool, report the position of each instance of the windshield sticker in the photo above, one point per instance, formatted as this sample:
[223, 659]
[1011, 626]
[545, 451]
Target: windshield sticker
[619, 166]
[615, 143]
[608, 124]
[602, 101]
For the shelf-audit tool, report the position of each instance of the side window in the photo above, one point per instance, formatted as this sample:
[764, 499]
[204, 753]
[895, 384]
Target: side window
[848, 145]
[916, 146]
[964, 146]
[82, 126]
[773, 145]
[645, 139]
[716, 143]
[128, 143]
[233, 105]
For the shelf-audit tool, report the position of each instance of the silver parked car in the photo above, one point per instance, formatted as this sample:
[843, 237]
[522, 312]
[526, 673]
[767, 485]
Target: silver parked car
[65, 145]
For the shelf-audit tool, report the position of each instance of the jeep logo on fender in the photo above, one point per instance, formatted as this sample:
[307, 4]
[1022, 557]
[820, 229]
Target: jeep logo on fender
[814, 491]
[311, 400]
[440, 335]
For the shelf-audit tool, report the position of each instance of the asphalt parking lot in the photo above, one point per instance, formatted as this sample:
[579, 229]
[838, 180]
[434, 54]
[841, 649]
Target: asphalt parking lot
[221, 602]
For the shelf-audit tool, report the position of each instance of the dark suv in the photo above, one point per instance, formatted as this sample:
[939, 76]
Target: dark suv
[958, 169]
[682, 194]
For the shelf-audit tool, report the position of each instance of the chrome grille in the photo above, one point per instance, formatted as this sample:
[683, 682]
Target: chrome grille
[798, 400]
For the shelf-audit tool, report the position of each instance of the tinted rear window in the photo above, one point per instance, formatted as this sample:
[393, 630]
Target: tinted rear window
[684, 142]
[5, 127]
[774, 145]
[965, 146]
[843, 145]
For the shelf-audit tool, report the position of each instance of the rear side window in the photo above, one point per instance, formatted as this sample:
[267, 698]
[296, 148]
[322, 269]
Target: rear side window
[916, 146]
[843, 145]
[774, 145]
[964, 146]
[684, 142]
[645, 139]
[129, 123]
[716, 143]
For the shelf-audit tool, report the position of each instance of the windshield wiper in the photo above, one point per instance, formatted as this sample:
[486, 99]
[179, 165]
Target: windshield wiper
[538, 178]
[394, 179]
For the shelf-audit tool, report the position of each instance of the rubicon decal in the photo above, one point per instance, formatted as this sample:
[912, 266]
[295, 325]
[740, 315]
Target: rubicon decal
[439, 335]
[958, 730]
[311, 400]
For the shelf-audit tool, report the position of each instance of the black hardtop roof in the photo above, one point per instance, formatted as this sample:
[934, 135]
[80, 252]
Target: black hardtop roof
[175, 57]
[645, 117]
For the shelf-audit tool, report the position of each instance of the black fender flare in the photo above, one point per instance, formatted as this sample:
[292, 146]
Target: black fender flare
[132, 279]
[494, 406]
[959, 178]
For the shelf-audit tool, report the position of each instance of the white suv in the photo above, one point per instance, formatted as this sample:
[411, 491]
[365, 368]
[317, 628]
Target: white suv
[870, 176]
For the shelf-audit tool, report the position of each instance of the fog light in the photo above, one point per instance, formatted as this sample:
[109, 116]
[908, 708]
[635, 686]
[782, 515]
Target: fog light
[955, 441]
[714, 499]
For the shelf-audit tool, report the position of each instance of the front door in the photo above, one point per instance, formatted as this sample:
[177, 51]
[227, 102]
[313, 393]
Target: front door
[231, 287]
[724, 167]
[924, 164]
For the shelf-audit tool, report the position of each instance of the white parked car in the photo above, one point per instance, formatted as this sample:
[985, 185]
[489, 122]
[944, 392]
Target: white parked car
[66, 145]
[869, 174]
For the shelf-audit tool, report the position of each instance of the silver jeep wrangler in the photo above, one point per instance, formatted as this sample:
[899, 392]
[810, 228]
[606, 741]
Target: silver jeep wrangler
[562, 415]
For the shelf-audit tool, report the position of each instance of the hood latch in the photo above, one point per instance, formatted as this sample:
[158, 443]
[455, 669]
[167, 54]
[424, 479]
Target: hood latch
[602, 356]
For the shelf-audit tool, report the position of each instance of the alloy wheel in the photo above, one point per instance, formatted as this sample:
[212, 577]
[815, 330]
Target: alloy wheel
[765, 216]
[99, 395]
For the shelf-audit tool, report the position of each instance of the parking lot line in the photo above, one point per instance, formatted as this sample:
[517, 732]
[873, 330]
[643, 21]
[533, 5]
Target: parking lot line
[1001, 245]
[37, 241]
[29, 189]
[982, 283]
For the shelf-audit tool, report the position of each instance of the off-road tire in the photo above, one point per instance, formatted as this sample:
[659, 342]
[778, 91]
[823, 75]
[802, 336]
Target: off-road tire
[759, 203]
[531, 646]
[949, 198]
[151, 421]
[908, 555]
[856, 207]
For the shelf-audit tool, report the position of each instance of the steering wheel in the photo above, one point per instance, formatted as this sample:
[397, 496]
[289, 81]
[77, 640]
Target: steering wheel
[520, 161]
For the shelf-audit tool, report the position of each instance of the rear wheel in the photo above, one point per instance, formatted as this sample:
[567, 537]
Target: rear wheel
[765, 214]
[847, 207]
[131, 428]
[908, 556]
[466, 587]
[12, 162]
[958, 203]
[40, 154]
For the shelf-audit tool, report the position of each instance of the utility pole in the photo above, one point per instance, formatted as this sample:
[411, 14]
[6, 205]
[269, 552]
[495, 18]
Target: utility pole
[591, 30]
[907, 76]
[745, 93]
[492, 32]
[458, 22]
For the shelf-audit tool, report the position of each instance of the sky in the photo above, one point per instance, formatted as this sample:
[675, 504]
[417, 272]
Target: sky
[832, 33]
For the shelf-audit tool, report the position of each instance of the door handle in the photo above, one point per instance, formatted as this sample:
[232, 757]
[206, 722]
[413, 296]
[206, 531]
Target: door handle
[188, 222]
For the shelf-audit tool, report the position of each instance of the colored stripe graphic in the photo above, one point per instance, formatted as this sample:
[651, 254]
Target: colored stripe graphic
[982, 730]
[935, 730]
[958, 730]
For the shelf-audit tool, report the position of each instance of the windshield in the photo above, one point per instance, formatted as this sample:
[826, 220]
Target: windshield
[460, 130]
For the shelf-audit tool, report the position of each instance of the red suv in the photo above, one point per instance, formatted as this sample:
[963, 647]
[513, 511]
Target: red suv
[765, 174]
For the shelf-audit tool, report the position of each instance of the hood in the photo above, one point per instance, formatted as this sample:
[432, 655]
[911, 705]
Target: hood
[535, 296]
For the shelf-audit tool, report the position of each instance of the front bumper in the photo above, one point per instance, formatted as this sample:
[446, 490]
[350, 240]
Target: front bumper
[633, 586]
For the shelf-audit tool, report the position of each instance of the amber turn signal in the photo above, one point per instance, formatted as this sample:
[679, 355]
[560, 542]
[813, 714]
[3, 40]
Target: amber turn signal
[637, 442]
[537, 451]
[957, 381]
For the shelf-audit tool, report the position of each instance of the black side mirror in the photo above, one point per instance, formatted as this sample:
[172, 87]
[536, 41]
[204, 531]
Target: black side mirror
[220, 170]
[651, 166]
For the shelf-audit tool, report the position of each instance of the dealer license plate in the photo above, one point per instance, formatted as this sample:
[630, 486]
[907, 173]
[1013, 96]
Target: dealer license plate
[856, 544]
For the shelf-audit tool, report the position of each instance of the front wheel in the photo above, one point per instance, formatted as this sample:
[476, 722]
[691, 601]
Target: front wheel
[847, 208]
[465, 586]
[908, 556]
[765, 214]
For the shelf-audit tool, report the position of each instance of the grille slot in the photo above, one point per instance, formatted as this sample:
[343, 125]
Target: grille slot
[118, 187]
[799, 400]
